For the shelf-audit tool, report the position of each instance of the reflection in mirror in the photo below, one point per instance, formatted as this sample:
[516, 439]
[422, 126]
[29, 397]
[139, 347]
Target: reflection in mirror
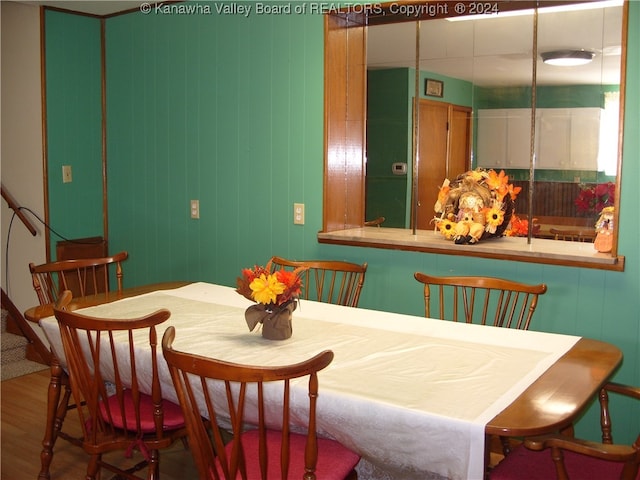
[390, 91]
[577, 118]
[485, 66]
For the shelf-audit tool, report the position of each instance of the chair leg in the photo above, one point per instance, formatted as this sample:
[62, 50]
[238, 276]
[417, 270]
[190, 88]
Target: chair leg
[506, 445]
[63, 407]
[153, 472]
[53, 399]
[93, 467]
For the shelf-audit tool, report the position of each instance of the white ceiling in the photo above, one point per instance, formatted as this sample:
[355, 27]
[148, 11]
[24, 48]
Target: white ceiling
[498, 51]
[490, 52]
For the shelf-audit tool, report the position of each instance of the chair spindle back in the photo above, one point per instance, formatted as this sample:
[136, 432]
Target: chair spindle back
[327, 281]
[83, 277]
[254, 395]
[482, 300]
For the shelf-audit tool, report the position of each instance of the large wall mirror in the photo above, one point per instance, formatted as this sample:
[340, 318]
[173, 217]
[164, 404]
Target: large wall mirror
[486, 98]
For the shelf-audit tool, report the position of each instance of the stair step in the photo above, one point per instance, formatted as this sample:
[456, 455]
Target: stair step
[13, 348]
[19, 368]
[9, 341]
[13, 354]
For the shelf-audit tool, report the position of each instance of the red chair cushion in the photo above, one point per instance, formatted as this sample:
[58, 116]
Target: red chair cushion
[335, 461]
[525, 464]
[173, 418]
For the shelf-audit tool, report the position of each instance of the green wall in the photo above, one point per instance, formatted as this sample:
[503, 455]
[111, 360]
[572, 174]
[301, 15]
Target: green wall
[74, 117]
[389, 121]
[223, 109]
[567, 96]
[229, 110]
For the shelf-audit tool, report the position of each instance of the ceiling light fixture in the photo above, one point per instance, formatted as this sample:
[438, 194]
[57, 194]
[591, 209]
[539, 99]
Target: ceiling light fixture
[567, 58]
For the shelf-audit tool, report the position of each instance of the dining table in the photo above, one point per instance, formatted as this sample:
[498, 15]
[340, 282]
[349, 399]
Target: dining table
[416, 397]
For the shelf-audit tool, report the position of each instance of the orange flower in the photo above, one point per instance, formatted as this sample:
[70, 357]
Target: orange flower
[498, 183]
[513, 191]
[519, 227]
[292, 282]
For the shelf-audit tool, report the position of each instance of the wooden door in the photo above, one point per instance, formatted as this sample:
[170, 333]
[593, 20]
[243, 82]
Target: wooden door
[444, 150]
[459, 160]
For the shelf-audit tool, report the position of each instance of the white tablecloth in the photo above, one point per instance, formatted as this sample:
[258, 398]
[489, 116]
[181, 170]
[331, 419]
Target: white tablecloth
[412, 395]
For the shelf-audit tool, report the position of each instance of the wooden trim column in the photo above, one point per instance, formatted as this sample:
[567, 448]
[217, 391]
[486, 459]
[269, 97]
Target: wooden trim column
[345, 122]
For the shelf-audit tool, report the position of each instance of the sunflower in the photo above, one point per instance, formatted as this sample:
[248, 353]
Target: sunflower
[494, 217]
[447, 228]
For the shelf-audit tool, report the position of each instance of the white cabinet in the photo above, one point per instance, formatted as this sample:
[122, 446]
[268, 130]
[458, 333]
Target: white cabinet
[566, 138]
[518, 137]
[504, 137]
[553, 138]
[569, 138]
[492, 138]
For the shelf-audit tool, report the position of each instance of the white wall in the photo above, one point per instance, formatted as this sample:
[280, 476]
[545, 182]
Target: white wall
[21, 167]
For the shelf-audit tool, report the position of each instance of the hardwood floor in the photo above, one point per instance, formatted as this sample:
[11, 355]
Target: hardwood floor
[23, 406]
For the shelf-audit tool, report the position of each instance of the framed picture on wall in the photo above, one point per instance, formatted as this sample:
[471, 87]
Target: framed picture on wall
[433, 88]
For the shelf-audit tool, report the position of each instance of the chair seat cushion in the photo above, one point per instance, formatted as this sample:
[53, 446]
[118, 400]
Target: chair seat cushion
[335, 461]
[525, 464]
[173, 418]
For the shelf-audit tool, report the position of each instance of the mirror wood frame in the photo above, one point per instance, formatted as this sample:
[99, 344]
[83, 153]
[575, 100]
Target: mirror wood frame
[345, 144]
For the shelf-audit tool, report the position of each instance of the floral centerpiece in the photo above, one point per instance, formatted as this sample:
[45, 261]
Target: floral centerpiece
[276, 294]
[477, 204]
[595, 198]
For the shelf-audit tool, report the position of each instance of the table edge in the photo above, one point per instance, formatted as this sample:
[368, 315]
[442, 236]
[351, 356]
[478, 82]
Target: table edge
[516, 419]
[38, 312]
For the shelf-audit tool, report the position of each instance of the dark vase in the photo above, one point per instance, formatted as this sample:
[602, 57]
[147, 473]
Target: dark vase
[276, 321]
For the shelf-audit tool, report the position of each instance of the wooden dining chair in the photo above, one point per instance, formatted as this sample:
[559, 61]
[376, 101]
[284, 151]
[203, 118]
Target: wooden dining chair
[482, 300]
[328, 281]
[376, 222]
[587, 236]
[564, 457]
[260, 396]
[117, 390]
[83, 277]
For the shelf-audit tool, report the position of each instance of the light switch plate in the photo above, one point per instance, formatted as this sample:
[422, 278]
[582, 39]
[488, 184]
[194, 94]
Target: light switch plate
[67, 176]
[195, 209]
[298, 213]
